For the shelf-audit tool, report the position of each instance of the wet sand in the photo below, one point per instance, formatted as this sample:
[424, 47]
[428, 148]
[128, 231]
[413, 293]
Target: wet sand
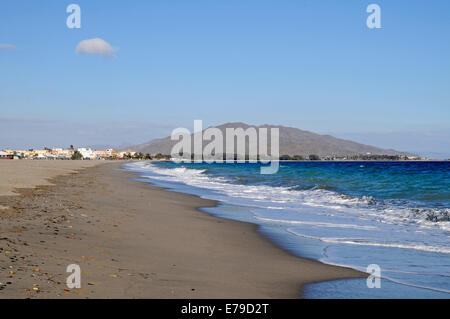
[133, 240]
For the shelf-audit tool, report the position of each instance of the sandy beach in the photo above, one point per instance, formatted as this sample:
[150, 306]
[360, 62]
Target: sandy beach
[132, 240]
[29, 174]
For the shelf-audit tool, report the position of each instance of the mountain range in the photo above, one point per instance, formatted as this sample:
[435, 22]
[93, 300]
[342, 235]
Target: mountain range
[292, 141]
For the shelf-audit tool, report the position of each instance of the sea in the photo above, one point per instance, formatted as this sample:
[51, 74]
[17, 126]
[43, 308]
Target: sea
[395, 215]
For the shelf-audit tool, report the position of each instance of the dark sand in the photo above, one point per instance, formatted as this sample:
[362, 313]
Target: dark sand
[133, 240]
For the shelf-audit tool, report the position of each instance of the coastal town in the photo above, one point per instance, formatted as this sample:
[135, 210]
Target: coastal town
[86, 153]
[75, 154]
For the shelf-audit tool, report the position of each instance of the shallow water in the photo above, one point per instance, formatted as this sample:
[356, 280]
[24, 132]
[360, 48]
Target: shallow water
[394, 214]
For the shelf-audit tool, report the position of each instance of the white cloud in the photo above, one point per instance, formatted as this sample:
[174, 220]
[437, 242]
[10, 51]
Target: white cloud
[96, 46]
[7, 46]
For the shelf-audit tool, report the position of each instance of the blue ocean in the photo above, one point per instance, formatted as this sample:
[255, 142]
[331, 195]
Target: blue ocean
[393, 214]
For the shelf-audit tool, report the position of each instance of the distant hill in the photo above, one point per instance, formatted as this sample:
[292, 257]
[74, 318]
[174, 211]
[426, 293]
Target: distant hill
[293, 141]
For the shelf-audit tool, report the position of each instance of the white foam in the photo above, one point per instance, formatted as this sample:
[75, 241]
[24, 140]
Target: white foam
[364, 242]
[320, 224]
[321, 205]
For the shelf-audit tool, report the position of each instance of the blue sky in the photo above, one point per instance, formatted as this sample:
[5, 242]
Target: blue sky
[311, 64]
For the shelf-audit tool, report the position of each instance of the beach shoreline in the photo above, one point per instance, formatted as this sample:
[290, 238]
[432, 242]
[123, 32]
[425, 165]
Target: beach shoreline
[135, 240]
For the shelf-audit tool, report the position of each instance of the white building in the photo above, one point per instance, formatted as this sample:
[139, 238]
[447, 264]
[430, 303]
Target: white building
[4, 154]
[87, 153]
[109, 152]
[122, 154]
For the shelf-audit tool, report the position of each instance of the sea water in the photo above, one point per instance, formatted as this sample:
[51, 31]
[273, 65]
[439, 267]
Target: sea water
[393, 214]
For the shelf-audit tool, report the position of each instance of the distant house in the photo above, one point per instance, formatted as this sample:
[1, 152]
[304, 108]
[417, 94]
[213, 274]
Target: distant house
[5, 155]
[40, 154]
[110, 152]
[56, 151]
[52, 156]
[61, 153]
[100, 154]
[87, 153]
